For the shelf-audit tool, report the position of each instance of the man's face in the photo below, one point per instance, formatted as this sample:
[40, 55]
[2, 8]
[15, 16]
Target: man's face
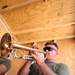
[51, 51]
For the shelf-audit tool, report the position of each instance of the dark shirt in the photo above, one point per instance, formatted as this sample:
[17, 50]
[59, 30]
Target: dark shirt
[58, 68]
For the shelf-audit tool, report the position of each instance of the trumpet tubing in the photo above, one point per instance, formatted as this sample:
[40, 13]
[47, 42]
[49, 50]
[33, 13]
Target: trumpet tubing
[17, 46]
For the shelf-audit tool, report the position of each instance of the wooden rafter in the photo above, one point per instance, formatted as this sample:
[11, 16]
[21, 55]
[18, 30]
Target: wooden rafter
[18, 5]
[40, 28]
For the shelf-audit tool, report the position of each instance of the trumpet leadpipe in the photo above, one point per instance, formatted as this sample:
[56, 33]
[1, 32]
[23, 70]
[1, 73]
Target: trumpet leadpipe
[17, 46]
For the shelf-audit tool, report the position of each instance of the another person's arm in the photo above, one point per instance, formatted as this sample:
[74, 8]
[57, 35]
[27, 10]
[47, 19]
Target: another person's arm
[5, 66]
[3, 69]
[25, 68]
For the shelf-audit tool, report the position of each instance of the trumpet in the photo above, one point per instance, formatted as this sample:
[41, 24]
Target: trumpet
[6, 45]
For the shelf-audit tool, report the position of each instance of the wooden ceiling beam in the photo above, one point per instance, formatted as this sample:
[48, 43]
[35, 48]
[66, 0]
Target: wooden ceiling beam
[5, 28]
[49, 34]
[40, 28]
[47, 39]
[18, 5]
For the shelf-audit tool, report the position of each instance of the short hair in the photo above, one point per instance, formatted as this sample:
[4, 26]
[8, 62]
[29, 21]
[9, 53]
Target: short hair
[52, 43]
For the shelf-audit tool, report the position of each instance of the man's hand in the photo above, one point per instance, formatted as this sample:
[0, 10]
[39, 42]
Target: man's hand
[39, 57]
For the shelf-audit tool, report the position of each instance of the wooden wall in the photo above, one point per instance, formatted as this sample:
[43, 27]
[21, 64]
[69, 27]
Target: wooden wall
[66, 54]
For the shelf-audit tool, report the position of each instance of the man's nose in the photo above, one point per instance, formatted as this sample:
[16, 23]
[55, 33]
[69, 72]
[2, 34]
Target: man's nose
[47, 50]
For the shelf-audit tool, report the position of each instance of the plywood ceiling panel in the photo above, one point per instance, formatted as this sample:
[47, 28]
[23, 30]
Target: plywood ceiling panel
[34, 18]
[49, 34]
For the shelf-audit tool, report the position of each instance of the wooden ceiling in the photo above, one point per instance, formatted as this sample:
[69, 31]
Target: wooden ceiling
[31, 21]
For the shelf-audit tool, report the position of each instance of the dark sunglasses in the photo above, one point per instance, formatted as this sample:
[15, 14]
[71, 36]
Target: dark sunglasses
[49, 49]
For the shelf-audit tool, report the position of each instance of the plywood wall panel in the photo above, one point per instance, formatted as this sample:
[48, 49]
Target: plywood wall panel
[66, 53]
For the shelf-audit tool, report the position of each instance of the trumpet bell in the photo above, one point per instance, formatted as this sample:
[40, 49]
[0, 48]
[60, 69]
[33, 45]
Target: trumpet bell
[5, 45]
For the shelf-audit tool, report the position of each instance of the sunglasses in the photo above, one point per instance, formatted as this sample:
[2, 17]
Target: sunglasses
[49, 49]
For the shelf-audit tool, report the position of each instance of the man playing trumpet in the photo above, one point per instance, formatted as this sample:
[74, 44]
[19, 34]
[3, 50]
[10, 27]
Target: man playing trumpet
[42, 66]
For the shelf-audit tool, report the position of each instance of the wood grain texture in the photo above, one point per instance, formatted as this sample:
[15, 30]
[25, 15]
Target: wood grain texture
[67, 53]
[6, 5]
[39, 17]
[48, 34]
